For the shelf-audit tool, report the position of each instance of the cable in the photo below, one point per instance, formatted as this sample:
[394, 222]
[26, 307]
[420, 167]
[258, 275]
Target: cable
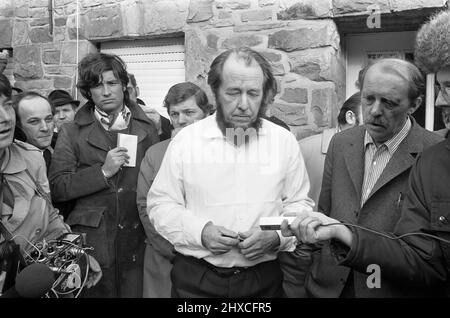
[389, 236]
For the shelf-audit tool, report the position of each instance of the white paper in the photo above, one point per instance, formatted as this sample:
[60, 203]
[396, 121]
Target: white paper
[129, 142]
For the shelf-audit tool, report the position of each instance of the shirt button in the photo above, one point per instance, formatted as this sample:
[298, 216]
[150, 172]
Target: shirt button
[120, 190]
[374, 163]
[120, 226]
[38, 231]
[443, 219]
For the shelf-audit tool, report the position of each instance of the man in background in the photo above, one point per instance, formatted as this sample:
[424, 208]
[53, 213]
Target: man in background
[186, 103]
[162, 123]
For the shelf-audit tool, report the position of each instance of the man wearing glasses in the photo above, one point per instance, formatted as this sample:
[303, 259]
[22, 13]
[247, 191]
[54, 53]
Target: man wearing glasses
[443, 100]
[88, 167]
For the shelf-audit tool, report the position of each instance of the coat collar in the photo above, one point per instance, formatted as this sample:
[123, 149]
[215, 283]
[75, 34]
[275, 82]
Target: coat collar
[97, 137]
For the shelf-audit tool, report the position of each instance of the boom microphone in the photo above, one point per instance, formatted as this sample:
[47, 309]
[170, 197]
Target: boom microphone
[33, 281]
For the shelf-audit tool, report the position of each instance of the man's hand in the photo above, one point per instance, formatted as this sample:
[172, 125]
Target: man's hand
[115, 158]
[218, 239]
[257, 243]
[95, 272]
[308, 228]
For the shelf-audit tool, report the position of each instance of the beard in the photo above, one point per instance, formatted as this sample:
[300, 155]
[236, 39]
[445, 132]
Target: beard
[238, 134]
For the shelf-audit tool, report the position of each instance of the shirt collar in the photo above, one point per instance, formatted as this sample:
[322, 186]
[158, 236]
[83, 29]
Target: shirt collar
[393, 143]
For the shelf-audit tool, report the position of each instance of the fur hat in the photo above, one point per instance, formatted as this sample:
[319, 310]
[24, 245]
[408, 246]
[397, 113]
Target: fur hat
[432, 49]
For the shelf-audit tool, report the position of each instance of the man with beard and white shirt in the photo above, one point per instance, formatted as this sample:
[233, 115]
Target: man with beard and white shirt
[35, 122]
[219, 177]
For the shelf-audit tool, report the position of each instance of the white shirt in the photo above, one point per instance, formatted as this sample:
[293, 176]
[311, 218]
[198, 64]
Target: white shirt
[205, 178]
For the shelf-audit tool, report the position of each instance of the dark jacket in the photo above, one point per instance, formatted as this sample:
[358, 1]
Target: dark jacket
[105, 209]
[340, 198]
[416, 261]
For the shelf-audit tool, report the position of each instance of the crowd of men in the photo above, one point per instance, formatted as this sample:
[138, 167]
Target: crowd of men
[177, 214]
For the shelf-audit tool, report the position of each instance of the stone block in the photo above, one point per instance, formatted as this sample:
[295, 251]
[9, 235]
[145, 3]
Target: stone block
[63, 82]
[225, 15]
[104, 22]
[264, 3]
[198, 59]
[293, 115]
[59, 34]
[6, 27]
[315, 35]
[315, 64]
[259, 26]
[242, 40]
[322, 102]
[165, 16]
[27, 62]
[40, 35]
[344, 7]
[307, 9]
[295, 95]
[233, 4]
[51, 57]
[60, 70]
[21, 36]
[7, 12]
[37, 13]
[72, 27]
[256, 15]
[38, 3]
[275, 61]
[211, 41]
[60, 21]
[200, 10]
[34, 85]
[21, 12]
[69, 53]
[404, 5]
[132, 18]
[39, 22]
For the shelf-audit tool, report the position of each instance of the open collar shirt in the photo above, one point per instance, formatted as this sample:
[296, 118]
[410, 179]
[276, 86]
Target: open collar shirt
[204, 177]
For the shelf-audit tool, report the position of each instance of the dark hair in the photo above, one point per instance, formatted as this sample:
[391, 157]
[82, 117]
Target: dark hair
[248, 55]
[352, 104]
[408, 71]
[132, 80]
[5, 86]
[18, 133]
[91, 68]
[182, 91]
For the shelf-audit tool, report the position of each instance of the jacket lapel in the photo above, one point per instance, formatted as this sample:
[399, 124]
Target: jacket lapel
[354, 159]
[402, 159]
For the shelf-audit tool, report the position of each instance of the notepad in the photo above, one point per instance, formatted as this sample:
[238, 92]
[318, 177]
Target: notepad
[130, 143]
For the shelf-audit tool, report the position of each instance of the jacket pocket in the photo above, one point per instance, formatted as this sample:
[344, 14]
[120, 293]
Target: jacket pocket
[440, 216]
[87, 216]
[91, 221]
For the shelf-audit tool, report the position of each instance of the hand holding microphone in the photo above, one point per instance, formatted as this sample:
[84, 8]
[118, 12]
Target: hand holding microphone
[313, 227]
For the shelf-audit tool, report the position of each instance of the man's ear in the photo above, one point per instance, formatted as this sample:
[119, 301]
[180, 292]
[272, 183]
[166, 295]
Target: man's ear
[417, 102]
[350, 117]
[137, 91]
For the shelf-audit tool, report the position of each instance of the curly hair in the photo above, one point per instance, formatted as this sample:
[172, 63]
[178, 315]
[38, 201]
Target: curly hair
[91, 68]
[432, 48]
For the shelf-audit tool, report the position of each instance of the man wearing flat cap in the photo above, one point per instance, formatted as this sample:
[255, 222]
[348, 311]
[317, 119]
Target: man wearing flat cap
[65, 107]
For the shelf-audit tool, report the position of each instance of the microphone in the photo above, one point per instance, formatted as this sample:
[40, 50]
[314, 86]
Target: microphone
[32, 282]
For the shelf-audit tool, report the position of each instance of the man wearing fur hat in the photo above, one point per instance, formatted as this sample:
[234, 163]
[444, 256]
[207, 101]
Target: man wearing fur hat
[420, 260]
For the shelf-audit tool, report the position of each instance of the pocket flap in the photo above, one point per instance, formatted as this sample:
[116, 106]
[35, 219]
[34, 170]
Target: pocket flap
[86, 215]
[440, 216]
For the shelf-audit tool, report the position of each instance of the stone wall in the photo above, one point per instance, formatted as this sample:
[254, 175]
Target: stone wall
[298, 37]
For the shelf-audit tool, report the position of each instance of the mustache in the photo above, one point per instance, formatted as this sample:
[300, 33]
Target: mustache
[374, 121]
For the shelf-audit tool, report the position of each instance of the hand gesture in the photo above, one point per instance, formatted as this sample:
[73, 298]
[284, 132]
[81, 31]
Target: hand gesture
[257, 243]
[114, 160]
[218, 239]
